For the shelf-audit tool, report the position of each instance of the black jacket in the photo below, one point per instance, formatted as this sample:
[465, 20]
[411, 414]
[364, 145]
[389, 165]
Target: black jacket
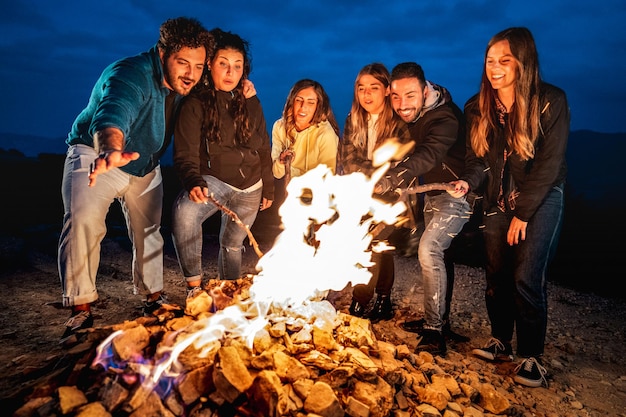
[533, 178]
[239, 166]
[439, 153]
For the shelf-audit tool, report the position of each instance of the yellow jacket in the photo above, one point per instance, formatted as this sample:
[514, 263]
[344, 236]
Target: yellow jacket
[313, 146]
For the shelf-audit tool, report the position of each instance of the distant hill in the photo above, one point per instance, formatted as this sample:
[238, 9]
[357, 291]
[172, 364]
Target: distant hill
[32, 146]
[595, 161]
[593, 158]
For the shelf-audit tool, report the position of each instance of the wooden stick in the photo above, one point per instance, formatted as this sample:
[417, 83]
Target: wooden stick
[444, 186]
[287, 171]
[237, 220]
[377, 231]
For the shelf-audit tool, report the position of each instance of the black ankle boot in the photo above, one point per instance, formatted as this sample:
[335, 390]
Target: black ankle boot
[356, 309]
[382, 309]
[452, 335]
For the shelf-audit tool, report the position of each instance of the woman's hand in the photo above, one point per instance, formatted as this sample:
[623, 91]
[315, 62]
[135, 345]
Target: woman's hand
[199, 194]
[265, 204]
[248, 88]
[517, 231]
[286, 156]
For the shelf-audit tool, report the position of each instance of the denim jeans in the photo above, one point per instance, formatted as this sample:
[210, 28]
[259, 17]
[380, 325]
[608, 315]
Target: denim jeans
[516, 293]
[187, 219]
[444, 218]
[84, 225]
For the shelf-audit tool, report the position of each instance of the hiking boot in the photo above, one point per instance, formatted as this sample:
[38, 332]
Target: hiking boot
[495, 350]
[531, 373]
[79, 320]
[356, 309]
[149, 307]
[431, 341]
[382, 310]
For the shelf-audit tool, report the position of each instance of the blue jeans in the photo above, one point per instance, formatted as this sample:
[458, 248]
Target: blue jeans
[187, 219]
[516, 293]
[84, 225]
[444, 218]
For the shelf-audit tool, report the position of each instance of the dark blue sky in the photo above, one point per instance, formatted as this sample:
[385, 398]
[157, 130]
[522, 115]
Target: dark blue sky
[53, 51]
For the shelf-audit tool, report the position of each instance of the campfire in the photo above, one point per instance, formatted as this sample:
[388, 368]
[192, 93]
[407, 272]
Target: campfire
[271, 344]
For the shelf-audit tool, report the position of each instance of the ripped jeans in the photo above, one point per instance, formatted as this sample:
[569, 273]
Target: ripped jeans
[187, 220]
[444, 218]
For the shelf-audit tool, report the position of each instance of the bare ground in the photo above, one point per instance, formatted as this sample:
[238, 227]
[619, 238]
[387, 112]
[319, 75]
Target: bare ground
[584, 351]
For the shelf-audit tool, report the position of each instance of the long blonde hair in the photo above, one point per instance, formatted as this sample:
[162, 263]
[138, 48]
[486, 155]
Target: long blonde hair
[523, 125]
[386, 124]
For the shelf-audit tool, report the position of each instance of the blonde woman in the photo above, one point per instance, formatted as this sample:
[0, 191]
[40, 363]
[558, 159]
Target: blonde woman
[371, 122]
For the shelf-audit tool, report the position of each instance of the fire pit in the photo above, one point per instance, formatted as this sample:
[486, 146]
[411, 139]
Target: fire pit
[269, 344]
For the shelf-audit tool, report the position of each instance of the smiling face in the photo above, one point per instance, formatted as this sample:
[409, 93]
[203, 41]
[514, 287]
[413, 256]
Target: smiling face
[227, 69]
[183, 69]
[501, 68]
[304, 106]
[407, 98]
[371, 94]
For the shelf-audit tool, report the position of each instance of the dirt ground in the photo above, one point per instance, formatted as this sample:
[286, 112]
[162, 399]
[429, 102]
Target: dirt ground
[584, 351]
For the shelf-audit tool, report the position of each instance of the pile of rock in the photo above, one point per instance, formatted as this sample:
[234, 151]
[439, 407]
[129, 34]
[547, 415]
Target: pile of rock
[315, 361]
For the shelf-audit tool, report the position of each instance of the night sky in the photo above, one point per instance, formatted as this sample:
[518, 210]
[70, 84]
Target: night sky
[53, 51]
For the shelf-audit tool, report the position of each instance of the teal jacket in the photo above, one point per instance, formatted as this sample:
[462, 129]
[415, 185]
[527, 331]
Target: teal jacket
[128, 95]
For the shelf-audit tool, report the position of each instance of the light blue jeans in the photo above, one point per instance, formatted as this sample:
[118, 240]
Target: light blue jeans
[84, 225]
[187, 219]
[444, 218]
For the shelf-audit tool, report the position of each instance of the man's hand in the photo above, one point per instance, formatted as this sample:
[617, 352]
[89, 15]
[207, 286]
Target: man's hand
[460, 188]
[383, 186]
[108, 160]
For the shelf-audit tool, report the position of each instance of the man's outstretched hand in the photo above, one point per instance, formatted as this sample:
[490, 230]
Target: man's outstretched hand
[108, 160]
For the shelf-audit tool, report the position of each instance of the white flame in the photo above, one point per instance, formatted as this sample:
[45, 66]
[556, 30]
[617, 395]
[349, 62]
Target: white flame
[325, 245]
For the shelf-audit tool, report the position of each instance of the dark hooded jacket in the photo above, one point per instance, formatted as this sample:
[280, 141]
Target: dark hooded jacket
[439, 135]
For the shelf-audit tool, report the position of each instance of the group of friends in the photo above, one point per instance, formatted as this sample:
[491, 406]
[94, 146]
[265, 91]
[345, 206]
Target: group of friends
[503, 155]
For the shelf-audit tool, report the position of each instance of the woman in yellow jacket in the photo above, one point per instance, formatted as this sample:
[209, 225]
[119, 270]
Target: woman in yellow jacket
[307, 134]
